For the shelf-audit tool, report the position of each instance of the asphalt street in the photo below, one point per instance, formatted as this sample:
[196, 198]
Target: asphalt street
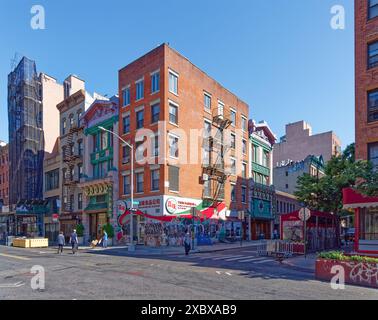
[115, 274]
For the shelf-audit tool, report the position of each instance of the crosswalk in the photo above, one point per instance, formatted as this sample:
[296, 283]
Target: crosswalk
[246, 258]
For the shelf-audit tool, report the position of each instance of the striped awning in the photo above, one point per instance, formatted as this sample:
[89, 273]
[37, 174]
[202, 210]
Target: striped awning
[352, 200]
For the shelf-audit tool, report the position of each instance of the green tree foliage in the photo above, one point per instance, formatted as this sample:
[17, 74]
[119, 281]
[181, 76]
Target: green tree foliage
[325, 193]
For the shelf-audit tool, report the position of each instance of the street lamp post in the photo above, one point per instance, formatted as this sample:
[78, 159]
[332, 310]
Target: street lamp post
[131, 247]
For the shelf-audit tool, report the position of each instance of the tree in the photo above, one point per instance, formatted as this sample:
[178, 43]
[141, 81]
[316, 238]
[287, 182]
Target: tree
[325, 193]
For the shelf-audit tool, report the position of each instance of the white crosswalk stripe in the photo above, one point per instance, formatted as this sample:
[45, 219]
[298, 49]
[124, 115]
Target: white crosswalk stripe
[226, 257]
[252, 259]
[239, 258]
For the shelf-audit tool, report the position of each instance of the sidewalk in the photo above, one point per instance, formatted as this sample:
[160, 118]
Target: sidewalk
[301, 263]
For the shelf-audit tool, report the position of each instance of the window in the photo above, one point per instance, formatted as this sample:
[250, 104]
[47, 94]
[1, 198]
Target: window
[140, 119]
[80, 147]
[233, 117]
[72, 202]
[126, 96]
[71, 118]
[104, 140]
[373, 54]
[373, 9]
[155, 146]
[233, 141]
[51, 179]
[80, 170]
[79, 114]
[373, 153]
[80, 201]
[139, 90]
[64, 126]
[174, 177]
[139, 182]
[207, 129]
[373, 106]
[220, 108]
[233, 166]
[155, 178]
[244, 170]
[126, 124]
[265, 159]
[207, 101]
[173, 146]
[139, 151]
[255, 153]
[233, 193]
[126, 185]
[244, 146]
[173, 113]
[155, 82]
[155, 112]
[173, 83]
[244, 194]
[244, 124]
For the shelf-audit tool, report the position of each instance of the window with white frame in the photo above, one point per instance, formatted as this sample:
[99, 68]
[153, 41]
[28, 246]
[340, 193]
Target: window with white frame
[155, 146]
[173, 146]
[155, 112]
[233, 192]
[233, 140]
[126, 184]
[207, 101]
[244, 146]
[244, 124]
[244, 194]
[173, 113]
[140, 119]
[155, 82]
[220, 108]
[140, 182]
[233, 117]
[233, 166]
[155, 178]
[126, 96]
[173, 82]
[244, 170]
[139, 90]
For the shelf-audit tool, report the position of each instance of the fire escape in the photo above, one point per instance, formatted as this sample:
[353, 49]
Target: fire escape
[70, 158]
[214, 174]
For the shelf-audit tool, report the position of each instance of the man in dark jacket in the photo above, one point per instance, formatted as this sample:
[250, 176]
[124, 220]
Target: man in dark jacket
[74, 241]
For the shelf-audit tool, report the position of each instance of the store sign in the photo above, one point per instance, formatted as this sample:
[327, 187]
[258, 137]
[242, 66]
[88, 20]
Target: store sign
[171, 205]
[178, 205]
[55, 217]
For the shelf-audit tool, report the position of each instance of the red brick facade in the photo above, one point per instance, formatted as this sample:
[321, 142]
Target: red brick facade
[4, 175]
[366, 77]
[192, 85]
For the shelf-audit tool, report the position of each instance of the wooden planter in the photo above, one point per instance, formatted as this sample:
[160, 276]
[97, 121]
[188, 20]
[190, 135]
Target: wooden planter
[356, 273]
[30, 243]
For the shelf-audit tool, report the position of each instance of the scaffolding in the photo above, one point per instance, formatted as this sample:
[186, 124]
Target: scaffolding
[214, 174]
[26, 137]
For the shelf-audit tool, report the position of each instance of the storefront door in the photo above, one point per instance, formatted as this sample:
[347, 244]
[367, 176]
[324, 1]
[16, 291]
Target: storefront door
[96, 222]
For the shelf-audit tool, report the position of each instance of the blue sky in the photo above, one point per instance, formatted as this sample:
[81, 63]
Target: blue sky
[280, 56]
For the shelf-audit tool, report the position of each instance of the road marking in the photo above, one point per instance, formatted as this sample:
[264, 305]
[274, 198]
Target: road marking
[13, 256]
[237, 258]
[252, 259]
[228, 273]
[220, 272]
[225, 257]
[12, 285]
[264, 261]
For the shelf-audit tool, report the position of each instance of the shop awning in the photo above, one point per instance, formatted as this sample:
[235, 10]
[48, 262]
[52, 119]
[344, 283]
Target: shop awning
[352, 199]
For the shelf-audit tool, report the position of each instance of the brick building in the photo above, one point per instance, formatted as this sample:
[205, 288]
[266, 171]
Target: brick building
[4, 174]
[164, 98]
[299, 142]
[366, 121]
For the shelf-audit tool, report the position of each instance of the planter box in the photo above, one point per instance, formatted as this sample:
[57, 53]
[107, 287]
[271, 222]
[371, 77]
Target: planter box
[356, 273]
[39, 243]
[21, 243]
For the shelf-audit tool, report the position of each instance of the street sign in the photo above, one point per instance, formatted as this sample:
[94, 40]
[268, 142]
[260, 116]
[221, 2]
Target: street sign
[304, 214]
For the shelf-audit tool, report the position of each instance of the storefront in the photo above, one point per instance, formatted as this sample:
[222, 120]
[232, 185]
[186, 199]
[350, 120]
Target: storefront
[164, 220]
[68, 222]
[322, 230]
[261, 210]
[29, 218]
[366, 220]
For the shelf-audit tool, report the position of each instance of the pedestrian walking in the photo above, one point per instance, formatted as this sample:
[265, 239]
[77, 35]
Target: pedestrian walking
[74, 241]
[187, 243]
[105, 240]
[61, 241]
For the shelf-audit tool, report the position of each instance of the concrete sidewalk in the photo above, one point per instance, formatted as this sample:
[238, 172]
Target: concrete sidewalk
[301, 263]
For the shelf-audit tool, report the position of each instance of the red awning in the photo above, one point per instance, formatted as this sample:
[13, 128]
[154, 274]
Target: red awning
[352, 199]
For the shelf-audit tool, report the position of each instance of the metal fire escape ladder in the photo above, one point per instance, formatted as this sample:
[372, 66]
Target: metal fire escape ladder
[214, 170]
